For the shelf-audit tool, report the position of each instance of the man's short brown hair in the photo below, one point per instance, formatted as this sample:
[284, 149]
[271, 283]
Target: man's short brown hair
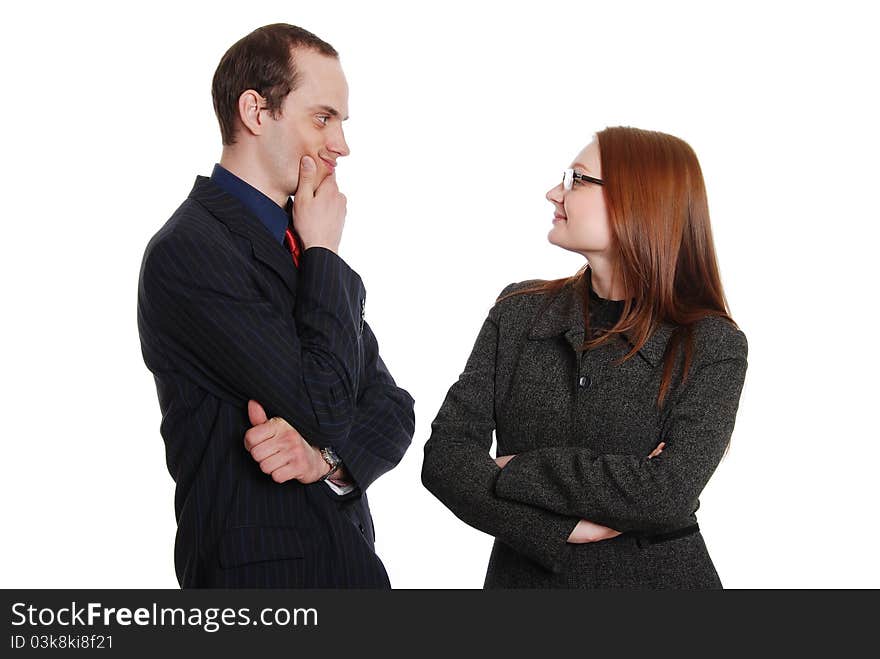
[262, 61]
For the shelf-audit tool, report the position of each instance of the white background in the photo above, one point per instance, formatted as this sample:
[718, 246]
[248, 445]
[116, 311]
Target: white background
[462, 116]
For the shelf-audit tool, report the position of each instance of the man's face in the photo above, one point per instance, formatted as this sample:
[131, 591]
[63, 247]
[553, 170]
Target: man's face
[310, 122]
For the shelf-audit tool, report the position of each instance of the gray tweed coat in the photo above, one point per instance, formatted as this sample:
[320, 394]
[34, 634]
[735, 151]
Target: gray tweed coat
[581, 429]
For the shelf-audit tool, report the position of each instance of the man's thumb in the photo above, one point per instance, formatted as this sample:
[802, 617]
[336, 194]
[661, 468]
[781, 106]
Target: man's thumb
[307, 170]
[256, 413]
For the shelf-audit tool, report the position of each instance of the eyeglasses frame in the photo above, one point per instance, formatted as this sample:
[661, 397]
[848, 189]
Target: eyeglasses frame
[577, 176]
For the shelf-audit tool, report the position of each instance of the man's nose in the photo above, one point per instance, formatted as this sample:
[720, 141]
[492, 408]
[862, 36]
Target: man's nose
[338, 145]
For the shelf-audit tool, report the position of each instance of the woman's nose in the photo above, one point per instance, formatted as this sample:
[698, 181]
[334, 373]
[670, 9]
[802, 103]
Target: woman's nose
[554, 194]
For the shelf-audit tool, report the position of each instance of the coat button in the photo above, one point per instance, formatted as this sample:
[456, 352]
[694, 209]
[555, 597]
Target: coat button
[361, 527]
[584, 381]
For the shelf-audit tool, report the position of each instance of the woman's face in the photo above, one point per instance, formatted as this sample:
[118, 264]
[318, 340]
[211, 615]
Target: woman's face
[580, 221]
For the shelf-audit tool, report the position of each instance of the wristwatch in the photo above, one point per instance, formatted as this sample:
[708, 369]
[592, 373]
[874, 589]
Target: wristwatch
[331, 459]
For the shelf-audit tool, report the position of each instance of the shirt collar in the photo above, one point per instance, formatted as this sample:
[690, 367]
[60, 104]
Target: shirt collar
[270, 214]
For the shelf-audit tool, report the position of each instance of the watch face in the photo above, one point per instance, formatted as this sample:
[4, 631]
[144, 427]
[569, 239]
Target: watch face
[330, 456]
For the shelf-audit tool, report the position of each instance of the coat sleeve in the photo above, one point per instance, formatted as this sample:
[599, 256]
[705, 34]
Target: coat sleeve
[216, 322]
[459, 471]
[383, 423]
[632, 493]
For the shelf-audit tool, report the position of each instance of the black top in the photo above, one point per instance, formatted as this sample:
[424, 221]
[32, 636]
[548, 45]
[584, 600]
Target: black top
[603, 313]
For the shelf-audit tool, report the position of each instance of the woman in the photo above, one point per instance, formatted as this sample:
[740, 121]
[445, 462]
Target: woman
[612, 393]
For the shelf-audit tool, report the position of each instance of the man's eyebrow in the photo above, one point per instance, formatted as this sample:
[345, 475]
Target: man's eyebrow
[333, 112]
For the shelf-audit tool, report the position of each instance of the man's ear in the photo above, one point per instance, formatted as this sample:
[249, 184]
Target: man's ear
[250, 108]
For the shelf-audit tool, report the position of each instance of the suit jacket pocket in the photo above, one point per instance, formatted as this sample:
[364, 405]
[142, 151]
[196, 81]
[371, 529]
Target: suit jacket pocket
[241, 545]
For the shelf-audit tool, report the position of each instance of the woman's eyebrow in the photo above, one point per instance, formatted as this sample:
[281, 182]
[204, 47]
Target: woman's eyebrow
[582, 166]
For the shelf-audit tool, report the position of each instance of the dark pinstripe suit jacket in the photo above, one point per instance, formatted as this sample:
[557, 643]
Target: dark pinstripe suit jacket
[224, 316]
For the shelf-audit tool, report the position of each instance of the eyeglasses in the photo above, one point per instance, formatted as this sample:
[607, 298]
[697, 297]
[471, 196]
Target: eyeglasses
[569, 176]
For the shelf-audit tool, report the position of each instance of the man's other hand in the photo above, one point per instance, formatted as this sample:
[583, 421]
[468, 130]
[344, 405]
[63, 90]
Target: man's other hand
[280, 450]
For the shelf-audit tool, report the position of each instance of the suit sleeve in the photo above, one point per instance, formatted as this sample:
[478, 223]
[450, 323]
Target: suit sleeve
[459, 471]
[217, 323]
[631, 493]
[383, 423]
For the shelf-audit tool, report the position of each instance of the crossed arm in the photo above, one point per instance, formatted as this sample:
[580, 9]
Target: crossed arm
[317, 369]
[632, 493]
[380, 434]
[458, 470]
[586, 531]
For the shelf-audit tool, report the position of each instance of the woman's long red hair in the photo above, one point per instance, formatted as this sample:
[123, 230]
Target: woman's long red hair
[659, 222]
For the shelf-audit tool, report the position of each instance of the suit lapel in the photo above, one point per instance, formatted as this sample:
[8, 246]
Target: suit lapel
[228, 210]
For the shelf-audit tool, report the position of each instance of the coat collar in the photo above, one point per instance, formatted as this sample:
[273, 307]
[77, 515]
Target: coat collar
[239, 220]
[563, 314]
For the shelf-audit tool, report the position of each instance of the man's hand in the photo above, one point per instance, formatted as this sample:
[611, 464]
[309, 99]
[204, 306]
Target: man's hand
[318, 214]
[281, 450]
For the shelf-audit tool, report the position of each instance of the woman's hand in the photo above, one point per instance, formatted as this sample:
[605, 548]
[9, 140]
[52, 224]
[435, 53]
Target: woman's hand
[587, 531]
[504, 459]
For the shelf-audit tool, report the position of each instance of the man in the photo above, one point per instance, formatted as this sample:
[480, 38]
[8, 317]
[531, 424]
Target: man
[246, 312]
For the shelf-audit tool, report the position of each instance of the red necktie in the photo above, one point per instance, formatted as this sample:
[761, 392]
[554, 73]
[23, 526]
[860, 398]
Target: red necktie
[292, 245]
